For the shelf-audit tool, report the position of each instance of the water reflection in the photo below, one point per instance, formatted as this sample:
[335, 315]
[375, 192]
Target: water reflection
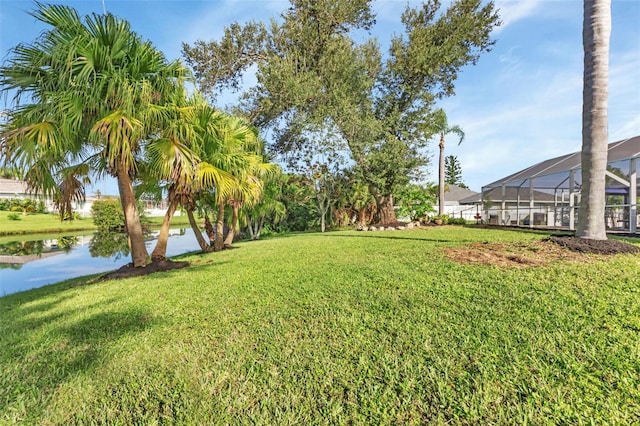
[30, 264]
[109, 244]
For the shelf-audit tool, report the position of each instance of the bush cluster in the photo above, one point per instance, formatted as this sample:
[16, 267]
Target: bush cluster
[27, 205]
[108, 214]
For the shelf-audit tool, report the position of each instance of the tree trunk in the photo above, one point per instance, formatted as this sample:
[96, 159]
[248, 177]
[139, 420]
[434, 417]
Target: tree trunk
[208, 228]
[219, 242]
[234, 225]
[386, 214]
[250, 227]
[139, 255]
[441, 176]
[160, 250]
[323, 214]
[260, 226]
[595, 39]
[362, 221]
[197, 232]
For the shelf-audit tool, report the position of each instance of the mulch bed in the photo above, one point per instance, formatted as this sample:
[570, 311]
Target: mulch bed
[156, 265]
[583, 245]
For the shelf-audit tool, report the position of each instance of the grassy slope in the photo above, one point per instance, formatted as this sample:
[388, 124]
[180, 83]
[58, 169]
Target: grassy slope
[369, 328]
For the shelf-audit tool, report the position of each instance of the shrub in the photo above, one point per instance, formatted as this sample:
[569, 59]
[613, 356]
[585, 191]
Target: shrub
[13, 216]
[457, 221]
[108, 214]
[40, 207]
[443, 217]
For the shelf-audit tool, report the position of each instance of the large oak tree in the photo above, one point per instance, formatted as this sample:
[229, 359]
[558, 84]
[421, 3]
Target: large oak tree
[313, 71]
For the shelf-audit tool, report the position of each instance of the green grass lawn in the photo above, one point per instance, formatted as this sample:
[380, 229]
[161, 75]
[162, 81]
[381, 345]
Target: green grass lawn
[336, 328]
[41, 223]
[50, 223]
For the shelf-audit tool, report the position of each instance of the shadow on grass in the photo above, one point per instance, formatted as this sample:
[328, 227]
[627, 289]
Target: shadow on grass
[45, 345]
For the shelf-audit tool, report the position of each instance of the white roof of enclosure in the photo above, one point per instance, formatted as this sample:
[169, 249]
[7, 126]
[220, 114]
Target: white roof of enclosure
[554, 174]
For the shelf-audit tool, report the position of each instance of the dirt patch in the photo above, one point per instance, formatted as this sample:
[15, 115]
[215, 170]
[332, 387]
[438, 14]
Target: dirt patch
[538, 253]
[156, 265]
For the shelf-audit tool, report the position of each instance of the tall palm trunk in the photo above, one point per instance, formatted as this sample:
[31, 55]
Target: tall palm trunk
[160, 250]
[139, 254]
[219, 242]
[595, 39]
[197, 232]
[441, 176]
[234, 224]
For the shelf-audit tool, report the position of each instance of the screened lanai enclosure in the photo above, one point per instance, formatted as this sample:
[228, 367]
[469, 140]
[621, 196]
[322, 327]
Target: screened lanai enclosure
[548, 194]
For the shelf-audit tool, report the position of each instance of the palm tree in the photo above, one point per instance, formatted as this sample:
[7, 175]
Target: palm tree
[220, 149]
[595, 39]
[250, 176]
[270, 206]
[173, 167]
[97, 91]
[442, 128]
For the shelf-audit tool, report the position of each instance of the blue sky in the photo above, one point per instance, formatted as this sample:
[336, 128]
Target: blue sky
[521, 104]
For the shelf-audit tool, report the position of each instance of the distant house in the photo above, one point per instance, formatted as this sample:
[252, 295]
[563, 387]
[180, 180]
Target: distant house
[19, 189]
[454, 205]
[14, 188]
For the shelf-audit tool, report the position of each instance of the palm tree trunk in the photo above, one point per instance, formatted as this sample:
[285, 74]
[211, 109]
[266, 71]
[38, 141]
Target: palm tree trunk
[208, 228]
[219, 243]
[160, 250]
[197, 232]
[234, 225]
[139, 255]
[595, 39]
[441, 176]
[259, 230]
[251, 233]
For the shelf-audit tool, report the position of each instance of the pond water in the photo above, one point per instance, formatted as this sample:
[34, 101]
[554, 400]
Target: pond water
[30, 264]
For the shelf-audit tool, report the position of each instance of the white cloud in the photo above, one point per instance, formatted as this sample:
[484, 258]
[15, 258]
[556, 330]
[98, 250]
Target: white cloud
[511, 11]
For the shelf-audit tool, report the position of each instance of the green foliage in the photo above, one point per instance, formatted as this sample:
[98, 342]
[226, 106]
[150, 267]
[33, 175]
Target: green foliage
[415, 202]
[442, 217]
[107, 214]
[13, 216]
[453, 171]
[25, 205]
[300, 207]
[457, 221]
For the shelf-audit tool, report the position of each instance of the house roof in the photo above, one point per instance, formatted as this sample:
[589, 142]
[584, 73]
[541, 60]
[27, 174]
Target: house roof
[554, 173]
[455, 193]
[13, 187]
